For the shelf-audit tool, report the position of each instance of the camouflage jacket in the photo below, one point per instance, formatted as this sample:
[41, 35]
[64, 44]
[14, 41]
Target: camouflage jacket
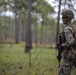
[68, 32]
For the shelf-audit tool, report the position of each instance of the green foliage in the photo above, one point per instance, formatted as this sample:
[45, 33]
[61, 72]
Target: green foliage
[41, 6]
[40, 10]
[17, 62]
[13, 61]
[1, 3]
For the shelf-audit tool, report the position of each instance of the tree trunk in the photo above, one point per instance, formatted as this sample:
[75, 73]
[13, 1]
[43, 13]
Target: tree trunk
[23, 32]
[5, 20]
[16, 24]
[42, 23]
[36, 32]
[28, 38]
[58, 19]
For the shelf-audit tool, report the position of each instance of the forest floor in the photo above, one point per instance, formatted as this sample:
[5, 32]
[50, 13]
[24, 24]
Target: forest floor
[41, 61]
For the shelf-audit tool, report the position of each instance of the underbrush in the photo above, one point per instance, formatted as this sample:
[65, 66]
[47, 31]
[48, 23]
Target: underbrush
[41, 61]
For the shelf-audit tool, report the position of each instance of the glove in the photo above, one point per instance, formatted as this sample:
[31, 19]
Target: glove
[58, 44]
[59, 57]
[60, 51]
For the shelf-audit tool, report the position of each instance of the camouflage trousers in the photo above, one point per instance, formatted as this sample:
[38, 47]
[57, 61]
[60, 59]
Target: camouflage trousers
[65, 67]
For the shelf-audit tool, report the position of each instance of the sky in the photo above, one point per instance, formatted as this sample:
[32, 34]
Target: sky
[8, 13]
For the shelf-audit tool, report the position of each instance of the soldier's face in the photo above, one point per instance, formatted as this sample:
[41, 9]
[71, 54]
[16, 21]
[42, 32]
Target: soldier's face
[64, 19]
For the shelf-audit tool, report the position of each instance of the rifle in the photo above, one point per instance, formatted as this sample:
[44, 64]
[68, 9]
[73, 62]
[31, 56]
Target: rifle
[60, 48]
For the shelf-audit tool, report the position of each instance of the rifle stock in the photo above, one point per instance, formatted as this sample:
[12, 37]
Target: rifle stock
[59, 54]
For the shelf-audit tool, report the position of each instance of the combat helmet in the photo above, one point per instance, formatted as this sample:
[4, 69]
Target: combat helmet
[68, 13]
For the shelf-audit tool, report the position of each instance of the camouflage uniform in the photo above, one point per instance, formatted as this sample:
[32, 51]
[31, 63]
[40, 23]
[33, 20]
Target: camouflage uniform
[67, 60]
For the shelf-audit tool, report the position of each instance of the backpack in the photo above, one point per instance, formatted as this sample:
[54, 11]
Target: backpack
[74, 28]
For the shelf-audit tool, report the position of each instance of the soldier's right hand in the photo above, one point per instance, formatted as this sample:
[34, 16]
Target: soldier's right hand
[59, 57]
[58, 44]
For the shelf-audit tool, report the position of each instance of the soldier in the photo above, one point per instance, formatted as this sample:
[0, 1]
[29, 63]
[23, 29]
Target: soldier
[68, 32]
